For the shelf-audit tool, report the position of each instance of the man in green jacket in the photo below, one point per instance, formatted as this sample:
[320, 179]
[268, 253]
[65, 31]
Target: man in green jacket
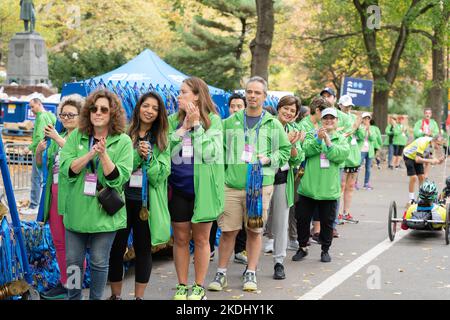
[250, 135]
[426, 127]
[320, 187]
[43, 119]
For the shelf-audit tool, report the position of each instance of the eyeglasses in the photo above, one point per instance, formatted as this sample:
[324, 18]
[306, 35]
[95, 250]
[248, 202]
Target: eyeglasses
[94, 109]
[68, 115]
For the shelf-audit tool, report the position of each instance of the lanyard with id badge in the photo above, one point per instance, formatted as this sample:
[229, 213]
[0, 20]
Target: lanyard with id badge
[90, 180]
[56, 168]
[247, 154]
[143, 213]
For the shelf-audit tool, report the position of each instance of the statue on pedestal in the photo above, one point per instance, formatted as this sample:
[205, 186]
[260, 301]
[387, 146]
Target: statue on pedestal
[28, 14]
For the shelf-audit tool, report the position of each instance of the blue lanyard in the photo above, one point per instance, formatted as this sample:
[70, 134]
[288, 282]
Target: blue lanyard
[257, 127]
[144, 180]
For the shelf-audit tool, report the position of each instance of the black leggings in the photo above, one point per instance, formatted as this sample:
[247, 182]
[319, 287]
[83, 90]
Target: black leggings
[141, 244]
[239, 245]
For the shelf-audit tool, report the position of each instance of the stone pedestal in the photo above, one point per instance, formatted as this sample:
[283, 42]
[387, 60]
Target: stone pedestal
[27, 60]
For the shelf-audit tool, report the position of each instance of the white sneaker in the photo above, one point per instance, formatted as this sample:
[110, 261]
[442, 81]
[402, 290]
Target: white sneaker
[293, 245]
[29, 211]
[268, 246]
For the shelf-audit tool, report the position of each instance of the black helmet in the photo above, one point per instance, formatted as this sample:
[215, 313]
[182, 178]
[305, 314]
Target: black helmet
[428, 191]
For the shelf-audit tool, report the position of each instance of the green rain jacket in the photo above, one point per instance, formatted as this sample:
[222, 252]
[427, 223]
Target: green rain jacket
[400, 135]
[372, 140]
[272, 142]
[434, 128]
[43, 119]
[323, 183]
[83, 213]
[208, 166]
[354, 157]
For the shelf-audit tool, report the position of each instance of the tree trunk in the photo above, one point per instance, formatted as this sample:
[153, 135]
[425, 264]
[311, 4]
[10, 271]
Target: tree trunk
[261, 45]
[436, 93]
[380, 107]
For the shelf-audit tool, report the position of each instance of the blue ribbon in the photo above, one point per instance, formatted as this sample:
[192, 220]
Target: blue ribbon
[144, 180]
[40, 216]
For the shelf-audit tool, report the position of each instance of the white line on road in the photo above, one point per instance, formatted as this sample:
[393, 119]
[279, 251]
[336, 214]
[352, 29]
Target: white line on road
[346, 272]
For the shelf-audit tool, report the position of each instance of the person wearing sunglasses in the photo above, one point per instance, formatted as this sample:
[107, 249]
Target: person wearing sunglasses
[96, 157]
[68, 111]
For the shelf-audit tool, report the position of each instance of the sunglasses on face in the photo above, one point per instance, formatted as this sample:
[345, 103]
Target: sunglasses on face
[68, 115]
[94, 109]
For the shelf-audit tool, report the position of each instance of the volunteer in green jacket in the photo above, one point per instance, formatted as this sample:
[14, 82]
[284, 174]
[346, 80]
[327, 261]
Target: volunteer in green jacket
[400, 131]
[366, 145]
[251, 135]
[320, 187]
[389, 140]
[96, 155]
[378, 142]
[196, 181]
[147, 213]
[68, 112]
[426, 127]
[283, 189]
[43, 118]
[353, 162]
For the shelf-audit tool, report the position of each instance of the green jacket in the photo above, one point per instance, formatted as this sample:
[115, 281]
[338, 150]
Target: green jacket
[43, 119]
[83, 213]
[306, 125]
[157, 173]
[354, 157]
[345, 122]
[208, 166]
[434, 128]
[272, 142]
[389, 132]
[52, 152]
[400, 135]
[294, 162]
[377, 143]
[372, 140]
[323, 183]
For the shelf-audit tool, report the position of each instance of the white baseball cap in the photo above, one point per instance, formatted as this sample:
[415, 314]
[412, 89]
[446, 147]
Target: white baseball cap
[366, 114]
[346, 101]
[328, 111]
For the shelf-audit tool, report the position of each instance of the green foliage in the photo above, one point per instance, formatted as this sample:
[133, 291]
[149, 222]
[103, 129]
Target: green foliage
[63, 67]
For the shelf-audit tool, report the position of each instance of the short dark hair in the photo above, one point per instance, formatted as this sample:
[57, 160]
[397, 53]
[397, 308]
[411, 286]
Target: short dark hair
[271, 110]
[289, 100]
[319, 102]
[36, 100]
[237, 96]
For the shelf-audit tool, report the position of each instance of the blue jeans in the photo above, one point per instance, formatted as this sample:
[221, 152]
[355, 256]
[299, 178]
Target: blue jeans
[36, 185]
[365, 155]
[390, 154]
[100, 246]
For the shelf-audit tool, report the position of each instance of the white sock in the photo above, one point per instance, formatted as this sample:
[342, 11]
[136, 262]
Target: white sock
[250, 271]
[222, 270]
[411, 196]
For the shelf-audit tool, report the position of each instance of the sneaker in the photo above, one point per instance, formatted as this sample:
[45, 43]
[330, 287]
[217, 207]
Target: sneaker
[241, 257]
[368, 187]
[268, 246]
[301, 253]
[293, 245]
[182, 292]
[391, 167]
[138, 299]
[198, 293]
[219, 282]
[349, 218]
[335, 233]
[279, 272]
[114, 297]
[325, 256]
[316, 238]
[249, 281]
[340, 219]
[29, 211]
[57, 293]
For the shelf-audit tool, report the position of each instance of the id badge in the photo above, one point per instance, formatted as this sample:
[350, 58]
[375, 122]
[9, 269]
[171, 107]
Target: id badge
[188, 149]
[285, 167]
[247, 154]
[353, 142]
[136, 179]
[55, 174]
[90, 184]
[324, 162]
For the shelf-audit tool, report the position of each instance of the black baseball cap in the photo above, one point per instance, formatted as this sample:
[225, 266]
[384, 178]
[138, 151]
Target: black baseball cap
[328, 90]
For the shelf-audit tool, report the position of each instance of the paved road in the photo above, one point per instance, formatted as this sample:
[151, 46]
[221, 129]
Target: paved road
[366, 265]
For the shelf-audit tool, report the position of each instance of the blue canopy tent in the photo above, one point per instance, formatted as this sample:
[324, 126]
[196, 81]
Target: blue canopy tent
[144, 73]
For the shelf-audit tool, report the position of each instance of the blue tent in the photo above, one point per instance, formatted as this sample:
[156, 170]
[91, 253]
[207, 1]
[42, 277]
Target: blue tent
[145, 72]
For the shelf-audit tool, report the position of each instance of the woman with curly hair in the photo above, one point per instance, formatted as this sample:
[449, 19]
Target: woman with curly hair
[95, 157]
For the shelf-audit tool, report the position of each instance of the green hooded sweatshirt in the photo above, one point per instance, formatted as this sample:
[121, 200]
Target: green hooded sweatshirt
[400, 135]
[43, 119]
[208, 166]
[272, 142]
[354, 158]
[83, 213]
[323, 183]
[434, 128]
[371, 139]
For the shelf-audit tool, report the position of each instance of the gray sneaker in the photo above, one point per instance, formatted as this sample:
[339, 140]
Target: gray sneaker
[219, 283]
[249, 282]
[241, 257]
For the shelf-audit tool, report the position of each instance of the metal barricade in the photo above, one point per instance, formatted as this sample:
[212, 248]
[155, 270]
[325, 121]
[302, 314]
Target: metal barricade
[19, 165]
